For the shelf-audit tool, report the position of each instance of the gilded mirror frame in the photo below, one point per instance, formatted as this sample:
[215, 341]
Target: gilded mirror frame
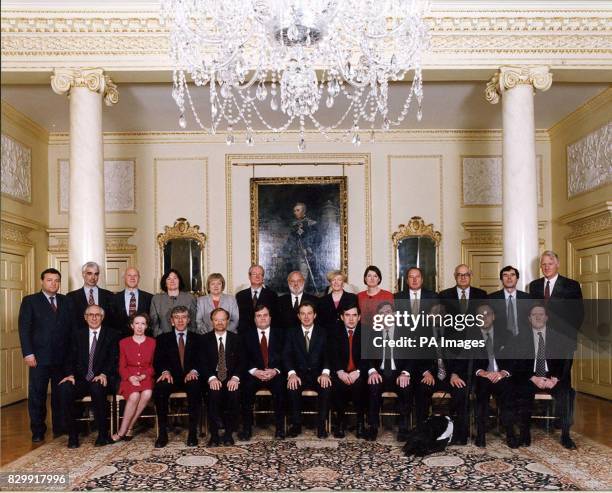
[415, 228]
[182, 229]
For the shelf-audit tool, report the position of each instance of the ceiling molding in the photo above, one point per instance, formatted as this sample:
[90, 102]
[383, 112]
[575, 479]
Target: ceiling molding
[21, 120]
[584, 111]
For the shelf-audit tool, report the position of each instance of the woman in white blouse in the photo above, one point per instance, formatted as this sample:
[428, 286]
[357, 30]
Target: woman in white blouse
[216, 298]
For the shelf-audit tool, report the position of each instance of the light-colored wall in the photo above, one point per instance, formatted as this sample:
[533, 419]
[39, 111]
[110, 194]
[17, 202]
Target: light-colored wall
[189, 175]
[33, 215]
[585, 120]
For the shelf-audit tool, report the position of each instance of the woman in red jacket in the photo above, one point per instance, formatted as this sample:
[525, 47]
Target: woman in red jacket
[136, 371]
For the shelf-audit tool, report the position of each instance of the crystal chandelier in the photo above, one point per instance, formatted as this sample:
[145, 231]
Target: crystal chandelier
[296, 57]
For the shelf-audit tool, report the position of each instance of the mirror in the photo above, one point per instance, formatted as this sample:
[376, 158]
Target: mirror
[182, 248]
[416, 245]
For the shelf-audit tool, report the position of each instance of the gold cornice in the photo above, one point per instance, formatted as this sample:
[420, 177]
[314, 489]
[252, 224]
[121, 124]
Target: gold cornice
[582, 112]
[116, 240]
[21, 120]
[9, 217]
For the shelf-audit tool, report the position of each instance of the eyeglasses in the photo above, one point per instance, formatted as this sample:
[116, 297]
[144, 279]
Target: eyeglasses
[461, 274]
[93, 314]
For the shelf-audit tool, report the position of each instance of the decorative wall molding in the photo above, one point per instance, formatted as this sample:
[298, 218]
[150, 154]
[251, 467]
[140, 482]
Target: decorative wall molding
[116, 240]
[489, 232]
[135, 38]
[16, 170]
[25, 123]
[16, 233]
[481, 181]
[63, 80]
[119, 185]
[592, 220]
[589, 162]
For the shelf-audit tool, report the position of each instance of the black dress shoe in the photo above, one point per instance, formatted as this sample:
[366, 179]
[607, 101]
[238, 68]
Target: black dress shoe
[228, 439]
[512, 441]
[360, 430]
[321, 433]
[213, 441]
[192, 440]
[339, 432]
[459, 441]
[73, 442]
[402, 435]
[245, 435]
[525, 440]
[279, 434]
[568, 443]
[294, 431]
[480, 441]
[38, 437]
[102, 440]
[162, 440]
[371, 434]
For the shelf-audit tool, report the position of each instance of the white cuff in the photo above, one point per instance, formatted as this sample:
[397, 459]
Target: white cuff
[325, 371]
[290, 372]
[252, 371]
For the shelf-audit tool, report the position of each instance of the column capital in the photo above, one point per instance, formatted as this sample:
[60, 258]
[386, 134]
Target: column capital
[507, 77]
[64, 79]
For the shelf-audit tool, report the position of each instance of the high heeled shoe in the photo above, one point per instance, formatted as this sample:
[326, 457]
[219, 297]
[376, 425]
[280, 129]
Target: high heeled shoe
[129, 435]
[116, 438]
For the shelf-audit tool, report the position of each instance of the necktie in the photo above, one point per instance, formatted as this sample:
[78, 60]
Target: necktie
[181, 348]
[263, 345]
[307, 339]
[221, 366]
[296, 304]
[441, 369]
[132, 308]
[255, 298]
[351, 362]
[490, 354]
[540, 370]
[463, 302]
[547, 290]
[387, 371]
[92, 350]
[415, 303]
[510, 316]
[53, 305]
[91, 299]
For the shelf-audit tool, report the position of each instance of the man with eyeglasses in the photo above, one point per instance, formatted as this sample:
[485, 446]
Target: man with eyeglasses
[463, 298]
[46, 322]
[91, 294]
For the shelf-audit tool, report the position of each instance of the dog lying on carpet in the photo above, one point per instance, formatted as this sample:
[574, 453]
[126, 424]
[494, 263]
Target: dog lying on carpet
[431, 436]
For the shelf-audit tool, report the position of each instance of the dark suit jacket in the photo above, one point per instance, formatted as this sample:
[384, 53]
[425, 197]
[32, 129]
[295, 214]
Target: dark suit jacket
[450, 299]
[106, 357]
[522, 303]
[305, 363]
[246, 311]
[565, 317]
[252, 349]
[328, 315]
[80, 304]
[120, 313]
[44, 333]
[339, 350]
[287, 316]
[558, 365]
[502, 345]
[234, 356]
[428, 299]
[167, 355]
[401, 356]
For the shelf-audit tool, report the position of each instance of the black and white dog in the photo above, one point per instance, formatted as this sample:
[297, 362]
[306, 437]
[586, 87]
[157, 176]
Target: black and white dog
[431, 436]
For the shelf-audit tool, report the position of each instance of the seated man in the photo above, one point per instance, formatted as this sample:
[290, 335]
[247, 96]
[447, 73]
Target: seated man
[348, 370]
[544, 365]
[387, 373]
[90, 369]
[263, 355]
[223, 364]
[177, 362]
[306, 361]
[492, 370]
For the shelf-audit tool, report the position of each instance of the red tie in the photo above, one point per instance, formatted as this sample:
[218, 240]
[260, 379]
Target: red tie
[547, 290]
[263, 345]
[132, 307]
[351, 363]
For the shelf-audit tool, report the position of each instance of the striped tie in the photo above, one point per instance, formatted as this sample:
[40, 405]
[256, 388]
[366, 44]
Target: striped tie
[92, 351]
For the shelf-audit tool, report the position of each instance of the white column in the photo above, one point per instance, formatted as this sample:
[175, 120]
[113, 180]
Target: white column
[86, 89]
[516, 86]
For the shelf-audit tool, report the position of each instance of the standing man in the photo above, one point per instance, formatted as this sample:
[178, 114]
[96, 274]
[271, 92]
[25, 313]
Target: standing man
[348, 371]
[91, 294]
[544, 366]
[223, 365]
[46, 321]
[90, 369]
[288, 303]
[177, 362]
[252, 296]
[511, 314]
[264, 363]
[306, 360]
[415, 298]
[463, 298]
[129, 301]
[562, 297]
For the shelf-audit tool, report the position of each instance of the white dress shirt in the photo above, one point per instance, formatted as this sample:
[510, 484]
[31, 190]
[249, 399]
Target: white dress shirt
[552, 282]
[93, 332]
[260, 334]
[128, 296]
[95, 294]
[467, 292]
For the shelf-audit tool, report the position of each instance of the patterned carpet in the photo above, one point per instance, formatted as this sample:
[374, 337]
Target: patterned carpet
[311, 464]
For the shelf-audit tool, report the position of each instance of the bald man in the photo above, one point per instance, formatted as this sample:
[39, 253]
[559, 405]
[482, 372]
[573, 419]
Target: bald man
[130, 300]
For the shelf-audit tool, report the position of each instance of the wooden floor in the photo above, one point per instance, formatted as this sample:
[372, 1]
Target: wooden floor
[593, 419]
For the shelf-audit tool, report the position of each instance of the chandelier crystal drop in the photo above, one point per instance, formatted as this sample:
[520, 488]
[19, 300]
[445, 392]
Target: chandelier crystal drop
[285, 63]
